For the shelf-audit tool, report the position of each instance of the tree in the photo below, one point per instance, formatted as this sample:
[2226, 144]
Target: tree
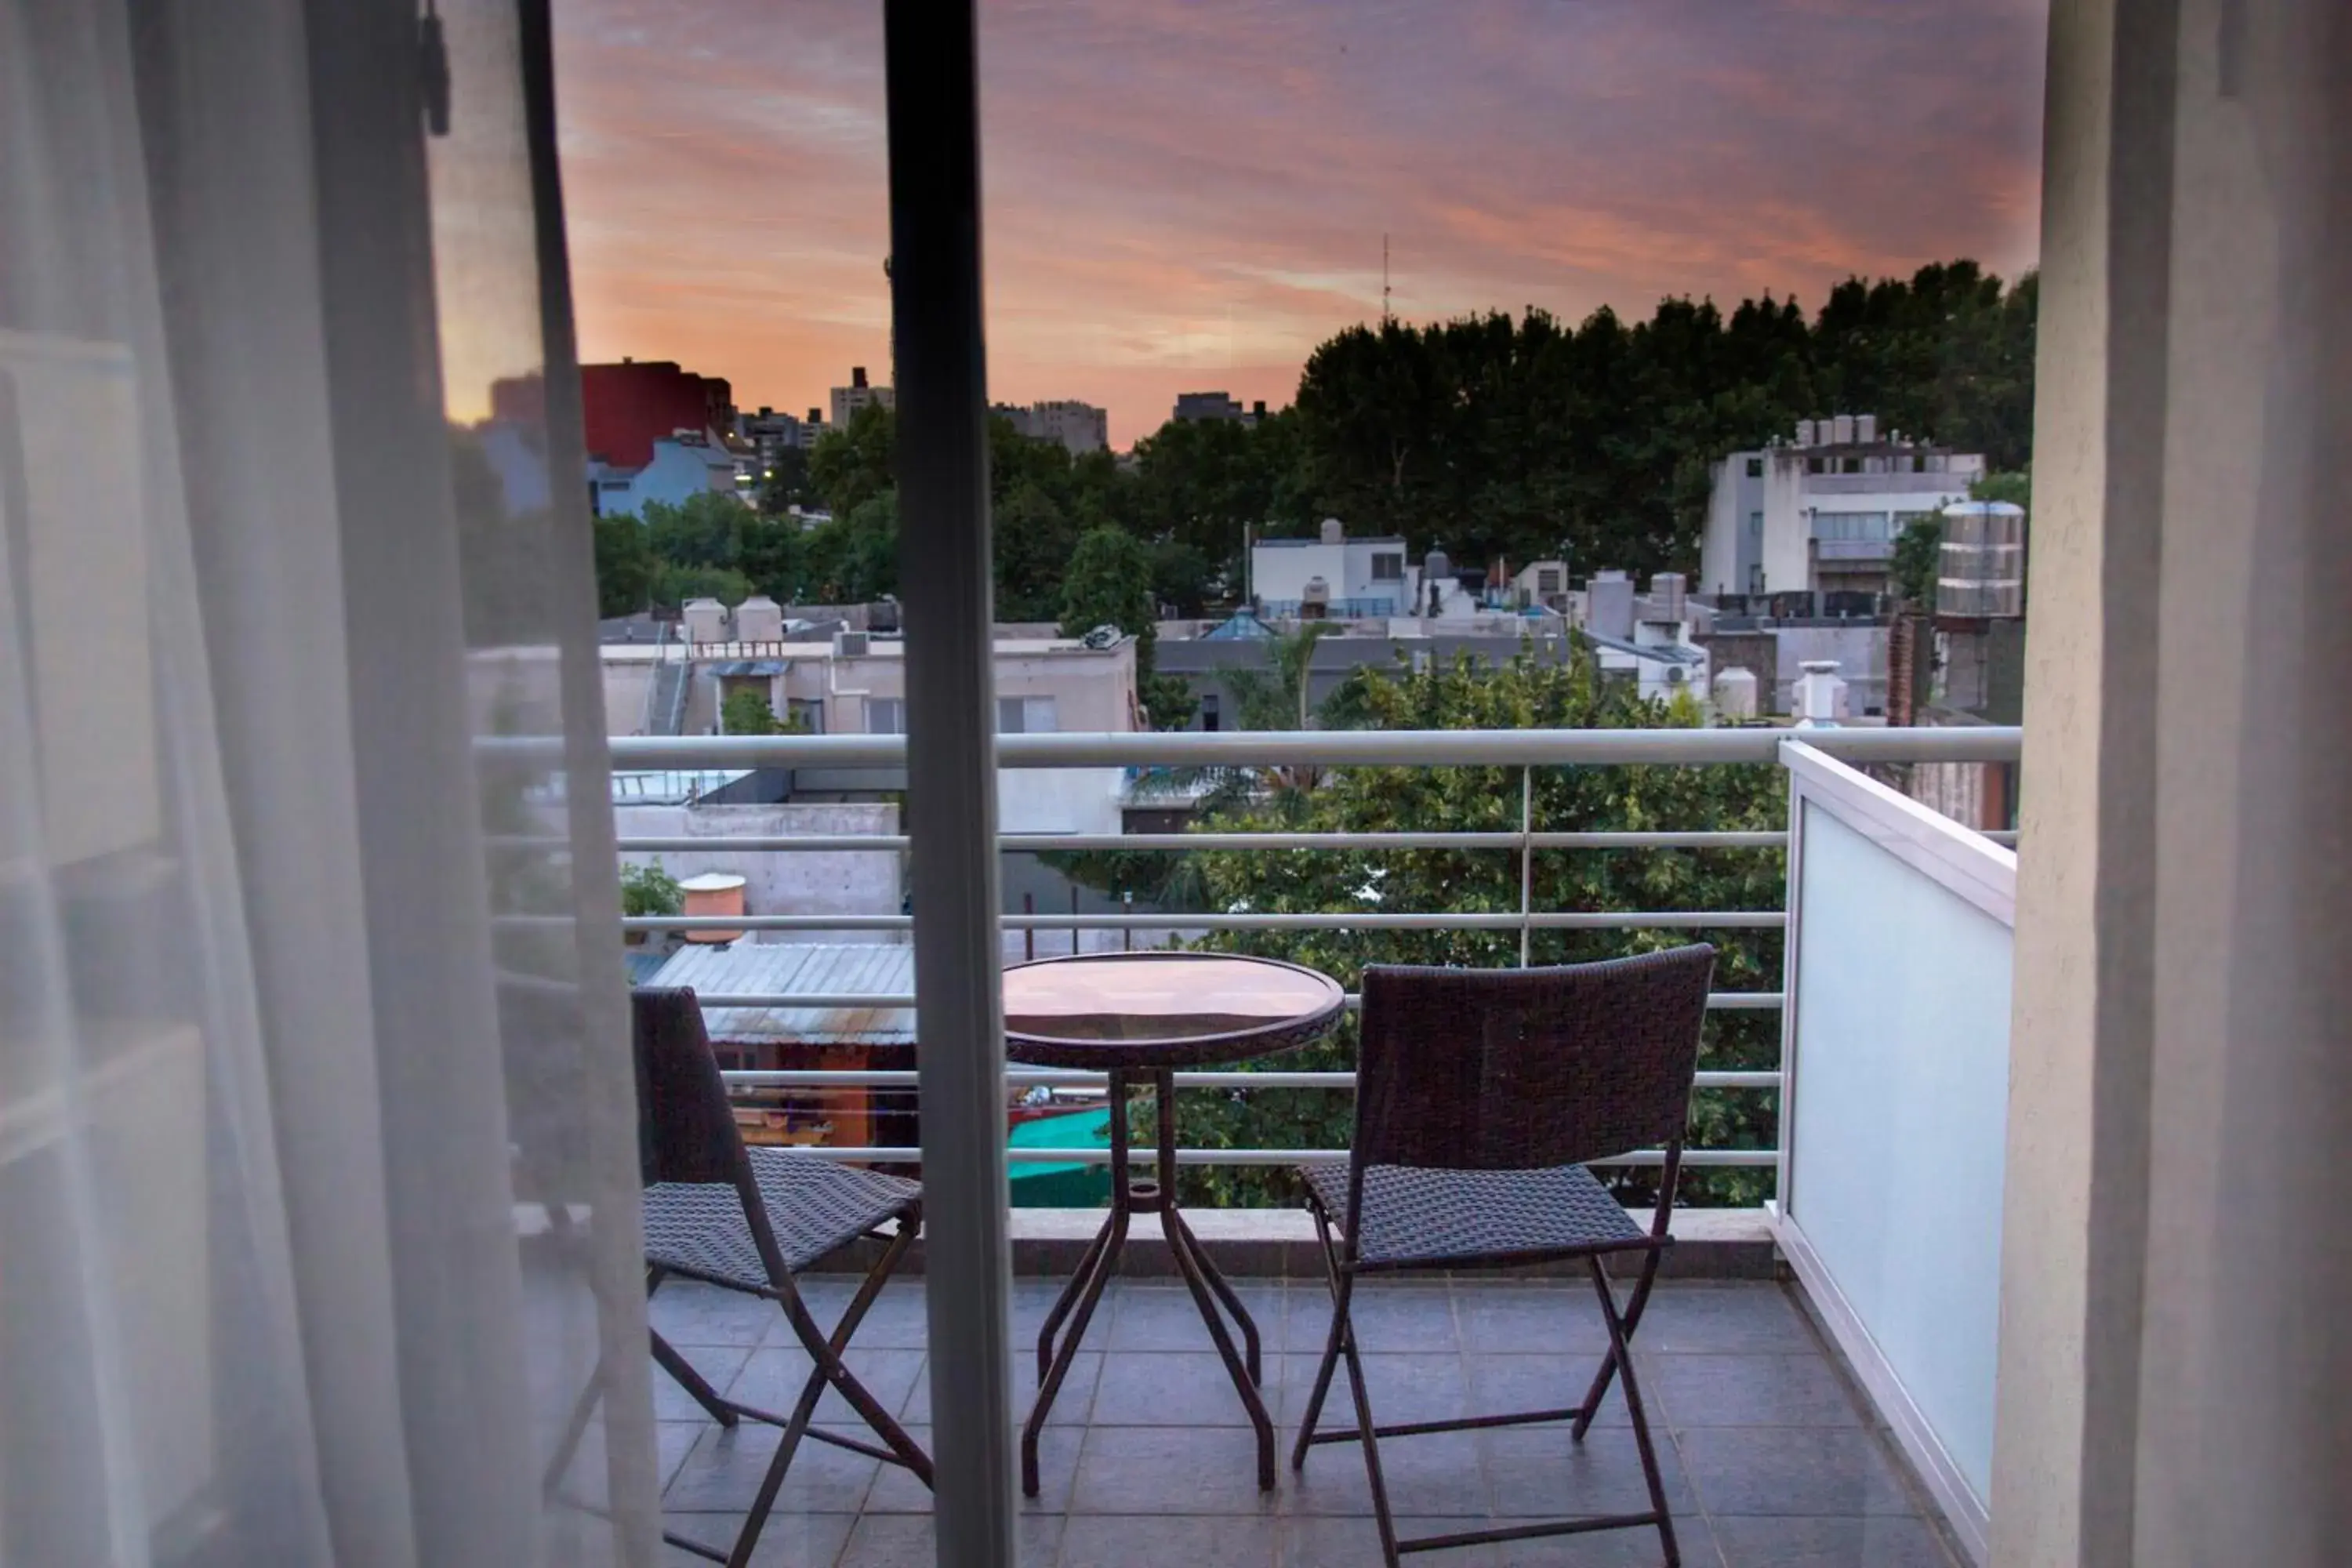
[785, 483]
[746, 712]
[2017, 488]
[854, 559]
[1035, 540]
[1108, 582]
[647, 889]
[674, 585]
[852, 464]
[626, 566]
[705, 529]
[1918, 552]
[1523, 694]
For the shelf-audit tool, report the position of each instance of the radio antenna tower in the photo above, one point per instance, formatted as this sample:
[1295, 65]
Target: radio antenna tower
[1386, 318]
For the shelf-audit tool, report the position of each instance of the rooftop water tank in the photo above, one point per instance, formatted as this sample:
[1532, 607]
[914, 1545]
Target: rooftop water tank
[759, 619]
[706, 620]
[1734, 694]
[714, 893]
[1980, 567]
[1843, 426]
[1334, 532]
[1315, 599]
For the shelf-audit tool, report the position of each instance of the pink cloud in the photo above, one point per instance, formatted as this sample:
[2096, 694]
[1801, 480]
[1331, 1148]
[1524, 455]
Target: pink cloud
[1189, 195]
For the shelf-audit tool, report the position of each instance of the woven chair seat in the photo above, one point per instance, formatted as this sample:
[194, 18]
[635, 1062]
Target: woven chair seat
[1415, 1214]
[813, 1205]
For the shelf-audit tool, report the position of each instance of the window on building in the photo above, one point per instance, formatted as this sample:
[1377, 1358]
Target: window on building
[886, 716]
[1547, 579]
[1755, 525]
[1026, 716]
[808, 713]
[1851, 525]
[1388, 568]
[1755, 468]
[1209, 713]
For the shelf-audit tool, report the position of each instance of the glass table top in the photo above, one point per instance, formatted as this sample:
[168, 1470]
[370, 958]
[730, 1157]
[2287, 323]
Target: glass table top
[1170, 999]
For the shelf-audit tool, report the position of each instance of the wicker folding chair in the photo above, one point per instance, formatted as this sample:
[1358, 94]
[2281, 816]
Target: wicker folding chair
[1480, 1096]
[749, 1220]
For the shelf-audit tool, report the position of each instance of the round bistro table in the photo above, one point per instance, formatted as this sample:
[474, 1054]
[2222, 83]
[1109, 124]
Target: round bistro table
[1142, 1017]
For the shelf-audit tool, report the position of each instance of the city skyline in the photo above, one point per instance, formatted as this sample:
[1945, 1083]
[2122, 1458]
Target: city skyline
[1192, 197]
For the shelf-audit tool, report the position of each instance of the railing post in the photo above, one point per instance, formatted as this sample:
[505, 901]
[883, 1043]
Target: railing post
[1526, 859]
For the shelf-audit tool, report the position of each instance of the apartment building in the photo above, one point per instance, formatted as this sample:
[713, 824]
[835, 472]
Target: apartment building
[1080, 427]
[1330, 575]
[1822, 512]
[859, 393]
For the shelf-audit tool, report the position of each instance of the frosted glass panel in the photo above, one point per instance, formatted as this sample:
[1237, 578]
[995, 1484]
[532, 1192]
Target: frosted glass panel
[1900, 1117]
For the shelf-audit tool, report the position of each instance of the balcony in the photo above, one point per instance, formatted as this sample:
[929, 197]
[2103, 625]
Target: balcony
[1828, 1393]
[1772, 1453]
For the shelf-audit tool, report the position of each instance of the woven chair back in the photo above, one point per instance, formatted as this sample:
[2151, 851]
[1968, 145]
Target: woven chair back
[1496, 1070]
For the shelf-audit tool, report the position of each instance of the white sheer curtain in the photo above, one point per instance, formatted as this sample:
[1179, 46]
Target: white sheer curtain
[317, 1192]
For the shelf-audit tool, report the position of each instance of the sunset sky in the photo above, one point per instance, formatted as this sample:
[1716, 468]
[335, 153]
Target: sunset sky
[1184, 196]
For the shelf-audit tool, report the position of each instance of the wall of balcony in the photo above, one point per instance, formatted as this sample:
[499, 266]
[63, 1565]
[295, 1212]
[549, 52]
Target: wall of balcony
[1895, 1068]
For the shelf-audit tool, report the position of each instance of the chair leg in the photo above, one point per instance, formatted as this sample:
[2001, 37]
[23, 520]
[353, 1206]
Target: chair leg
[574, 1429]
[1364, 1424]
[1334, 1278]
[828, 1368]
[1601, 1379]
[1621, 1357]
[682, 1372]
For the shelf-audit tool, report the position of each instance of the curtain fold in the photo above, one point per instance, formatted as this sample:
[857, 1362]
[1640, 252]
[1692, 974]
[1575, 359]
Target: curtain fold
[316, 1171]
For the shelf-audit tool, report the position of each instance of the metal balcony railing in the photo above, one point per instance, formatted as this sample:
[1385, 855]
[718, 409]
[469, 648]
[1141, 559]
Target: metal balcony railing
[1526, 750]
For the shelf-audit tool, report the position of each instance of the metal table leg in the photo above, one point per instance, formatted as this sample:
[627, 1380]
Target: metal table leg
[1066, 1325]
[1210, 1291]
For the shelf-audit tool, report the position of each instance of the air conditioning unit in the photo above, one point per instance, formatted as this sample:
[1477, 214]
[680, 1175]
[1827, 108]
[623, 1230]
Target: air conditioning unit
[849, 645]
[1676, 675]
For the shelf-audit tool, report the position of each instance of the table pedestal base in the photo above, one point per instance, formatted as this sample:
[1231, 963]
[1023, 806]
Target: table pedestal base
[1211, 1293]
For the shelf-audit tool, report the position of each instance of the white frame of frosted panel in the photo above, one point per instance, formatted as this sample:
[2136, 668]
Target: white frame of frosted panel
[1984, 873]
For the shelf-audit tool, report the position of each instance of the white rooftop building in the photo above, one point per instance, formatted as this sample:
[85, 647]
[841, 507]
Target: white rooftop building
[1822, 513]
[1330, 575]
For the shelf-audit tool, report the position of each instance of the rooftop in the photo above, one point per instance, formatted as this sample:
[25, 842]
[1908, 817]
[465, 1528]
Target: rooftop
[800, 969]
[1770, 1453]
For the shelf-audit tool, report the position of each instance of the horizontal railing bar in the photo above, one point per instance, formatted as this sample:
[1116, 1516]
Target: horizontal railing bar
[1328, 748]
[1726, 1001]
[1056, 1078]
[1091, 1156]
[1040, 843]
[1542, 920]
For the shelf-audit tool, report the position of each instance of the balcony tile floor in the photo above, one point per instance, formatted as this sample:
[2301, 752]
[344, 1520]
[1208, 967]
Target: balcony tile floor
[1772, 1458]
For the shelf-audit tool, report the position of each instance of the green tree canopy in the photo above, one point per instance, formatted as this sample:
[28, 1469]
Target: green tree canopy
[625, 565]
[747, 712]
[1522, 694]
[1108, 582]
[852, 464]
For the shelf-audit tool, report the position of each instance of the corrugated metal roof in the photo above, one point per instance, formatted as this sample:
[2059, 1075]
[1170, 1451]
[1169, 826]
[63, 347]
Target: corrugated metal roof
[1662, 653]
[805, 969]
[750, 666]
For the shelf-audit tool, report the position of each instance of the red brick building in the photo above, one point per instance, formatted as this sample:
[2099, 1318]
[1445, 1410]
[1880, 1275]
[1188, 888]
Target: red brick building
[630, 406]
